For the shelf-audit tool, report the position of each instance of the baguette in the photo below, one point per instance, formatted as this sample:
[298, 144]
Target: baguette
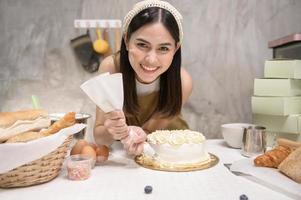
[7, 119]
[273, 157]
[66, 121]
[14, 123]
[291, 166]
[25, 137]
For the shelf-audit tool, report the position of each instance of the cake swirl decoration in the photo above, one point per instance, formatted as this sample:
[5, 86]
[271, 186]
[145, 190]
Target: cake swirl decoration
[176, 137]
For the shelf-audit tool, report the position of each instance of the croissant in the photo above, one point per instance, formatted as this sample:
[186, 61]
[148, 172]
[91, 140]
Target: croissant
[273, 157]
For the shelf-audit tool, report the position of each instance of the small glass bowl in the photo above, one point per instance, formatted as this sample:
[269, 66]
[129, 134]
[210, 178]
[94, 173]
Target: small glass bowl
[79, 167]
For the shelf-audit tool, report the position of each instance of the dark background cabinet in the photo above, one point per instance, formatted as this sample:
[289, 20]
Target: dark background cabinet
[288, 47]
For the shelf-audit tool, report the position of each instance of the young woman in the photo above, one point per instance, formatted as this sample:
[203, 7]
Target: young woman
[155, 85]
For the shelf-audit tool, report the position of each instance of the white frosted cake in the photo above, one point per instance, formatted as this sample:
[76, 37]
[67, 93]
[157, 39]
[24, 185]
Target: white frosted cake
[179, 146]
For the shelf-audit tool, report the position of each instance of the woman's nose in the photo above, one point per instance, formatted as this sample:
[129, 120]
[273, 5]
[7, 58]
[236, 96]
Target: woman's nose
[151, 57]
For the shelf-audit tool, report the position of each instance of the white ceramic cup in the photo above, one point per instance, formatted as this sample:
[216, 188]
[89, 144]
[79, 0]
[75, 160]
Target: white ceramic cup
[233, 133]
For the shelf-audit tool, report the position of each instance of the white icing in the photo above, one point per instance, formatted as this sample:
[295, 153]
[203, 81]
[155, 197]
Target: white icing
[176, 137]
[179, 146]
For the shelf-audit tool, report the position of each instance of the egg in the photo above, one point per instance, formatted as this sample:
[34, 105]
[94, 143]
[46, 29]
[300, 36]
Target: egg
[93, 145]
[77, 148]
[102, 150]
[88, 150]
[102, 153]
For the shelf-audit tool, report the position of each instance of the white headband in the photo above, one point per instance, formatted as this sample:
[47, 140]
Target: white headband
[138, 7]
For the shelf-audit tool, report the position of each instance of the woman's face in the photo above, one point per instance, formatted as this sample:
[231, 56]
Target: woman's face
[151, 49]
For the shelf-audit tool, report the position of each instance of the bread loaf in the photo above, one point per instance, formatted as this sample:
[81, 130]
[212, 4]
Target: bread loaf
[289, 143]
[14, 123]
[273, 157]
[291, 166]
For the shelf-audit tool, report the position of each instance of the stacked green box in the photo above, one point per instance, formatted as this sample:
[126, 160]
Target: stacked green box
[276, 103]
[277, 87]
[282, 69]
[280, 106]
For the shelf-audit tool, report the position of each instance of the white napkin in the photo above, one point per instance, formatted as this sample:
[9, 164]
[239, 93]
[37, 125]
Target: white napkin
[13, 155]
[268, 175]
[106, 91]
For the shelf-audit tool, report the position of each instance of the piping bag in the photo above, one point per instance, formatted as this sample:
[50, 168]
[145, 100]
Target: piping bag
[106, 91]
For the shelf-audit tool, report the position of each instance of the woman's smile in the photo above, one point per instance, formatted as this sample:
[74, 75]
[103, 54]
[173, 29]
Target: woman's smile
[148, 69]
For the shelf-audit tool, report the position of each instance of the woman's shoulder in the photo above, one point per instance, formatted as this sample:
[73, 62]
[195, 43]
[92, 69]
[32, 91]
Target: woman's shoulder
[186, 84]
[109, 64]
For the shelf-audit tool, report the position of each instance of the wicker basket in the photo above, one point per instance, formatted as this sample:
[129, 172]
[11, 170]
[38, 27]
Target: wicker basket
[38, 171]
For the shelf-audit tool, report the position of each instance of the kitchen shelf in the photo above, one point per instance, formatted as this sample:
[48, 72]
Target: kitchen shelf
[97, 23]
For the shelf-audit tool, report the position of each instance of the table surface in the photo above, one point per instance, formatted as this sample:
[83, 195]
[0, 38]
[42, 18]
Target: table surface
[126, 180]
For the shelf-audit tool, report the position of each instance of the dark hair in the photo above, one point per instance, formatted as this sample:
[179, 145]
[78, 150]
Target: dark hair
[170, 94]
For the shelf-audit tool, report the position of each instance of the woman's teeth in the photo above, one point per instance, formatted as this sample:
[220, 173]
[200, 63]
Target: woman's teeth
[151, 69]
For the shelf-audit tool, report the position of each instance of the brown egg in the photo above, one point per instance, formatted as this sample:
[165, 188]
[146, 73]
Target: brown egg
[102, 153]
[102, 150]
[88, 150]
[93, 145]
[77, 148]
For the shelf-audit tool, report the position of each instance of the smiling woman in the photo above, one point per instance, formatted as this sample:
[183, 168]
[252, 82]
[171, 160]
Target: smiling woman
[155, 85]
[150, 53]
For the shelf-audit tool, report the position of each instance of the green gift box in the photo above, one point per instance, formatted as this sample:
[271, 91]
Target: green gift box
[277, 87]
[279, 124]
[276, 105]
[282, 69]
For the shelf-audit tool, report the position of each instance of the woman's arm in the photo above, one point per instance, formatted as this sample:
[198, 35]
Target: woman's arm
[187, 85]
[157, 122]
[101, 135]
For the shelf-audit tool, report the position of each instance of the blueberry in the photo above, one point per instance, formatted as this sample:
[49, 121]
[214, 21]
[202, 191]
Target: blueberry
[243, 197]
[148, 189]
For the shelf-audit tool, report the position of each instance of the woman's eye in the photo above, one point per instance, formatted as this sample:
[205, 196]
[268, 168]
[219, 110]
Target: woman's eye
[164, 49]
[142, 45]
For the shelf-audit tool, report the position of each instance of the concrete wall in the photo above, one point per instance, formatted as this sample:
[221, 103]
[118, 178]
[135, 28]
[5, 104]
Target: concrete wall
[224, 49]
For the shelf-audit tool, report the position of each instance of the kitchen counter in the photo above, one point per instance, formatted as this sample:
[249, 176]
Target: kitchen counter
[126, 180]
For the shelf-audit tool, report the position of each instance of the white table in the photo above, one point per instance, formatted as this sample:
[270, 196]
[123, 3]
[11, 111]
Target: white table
[127, 181]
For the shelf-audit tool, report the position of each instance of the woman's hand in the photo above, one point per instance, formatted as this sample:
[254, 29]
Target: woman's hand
[115, 124]
[134, 142]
